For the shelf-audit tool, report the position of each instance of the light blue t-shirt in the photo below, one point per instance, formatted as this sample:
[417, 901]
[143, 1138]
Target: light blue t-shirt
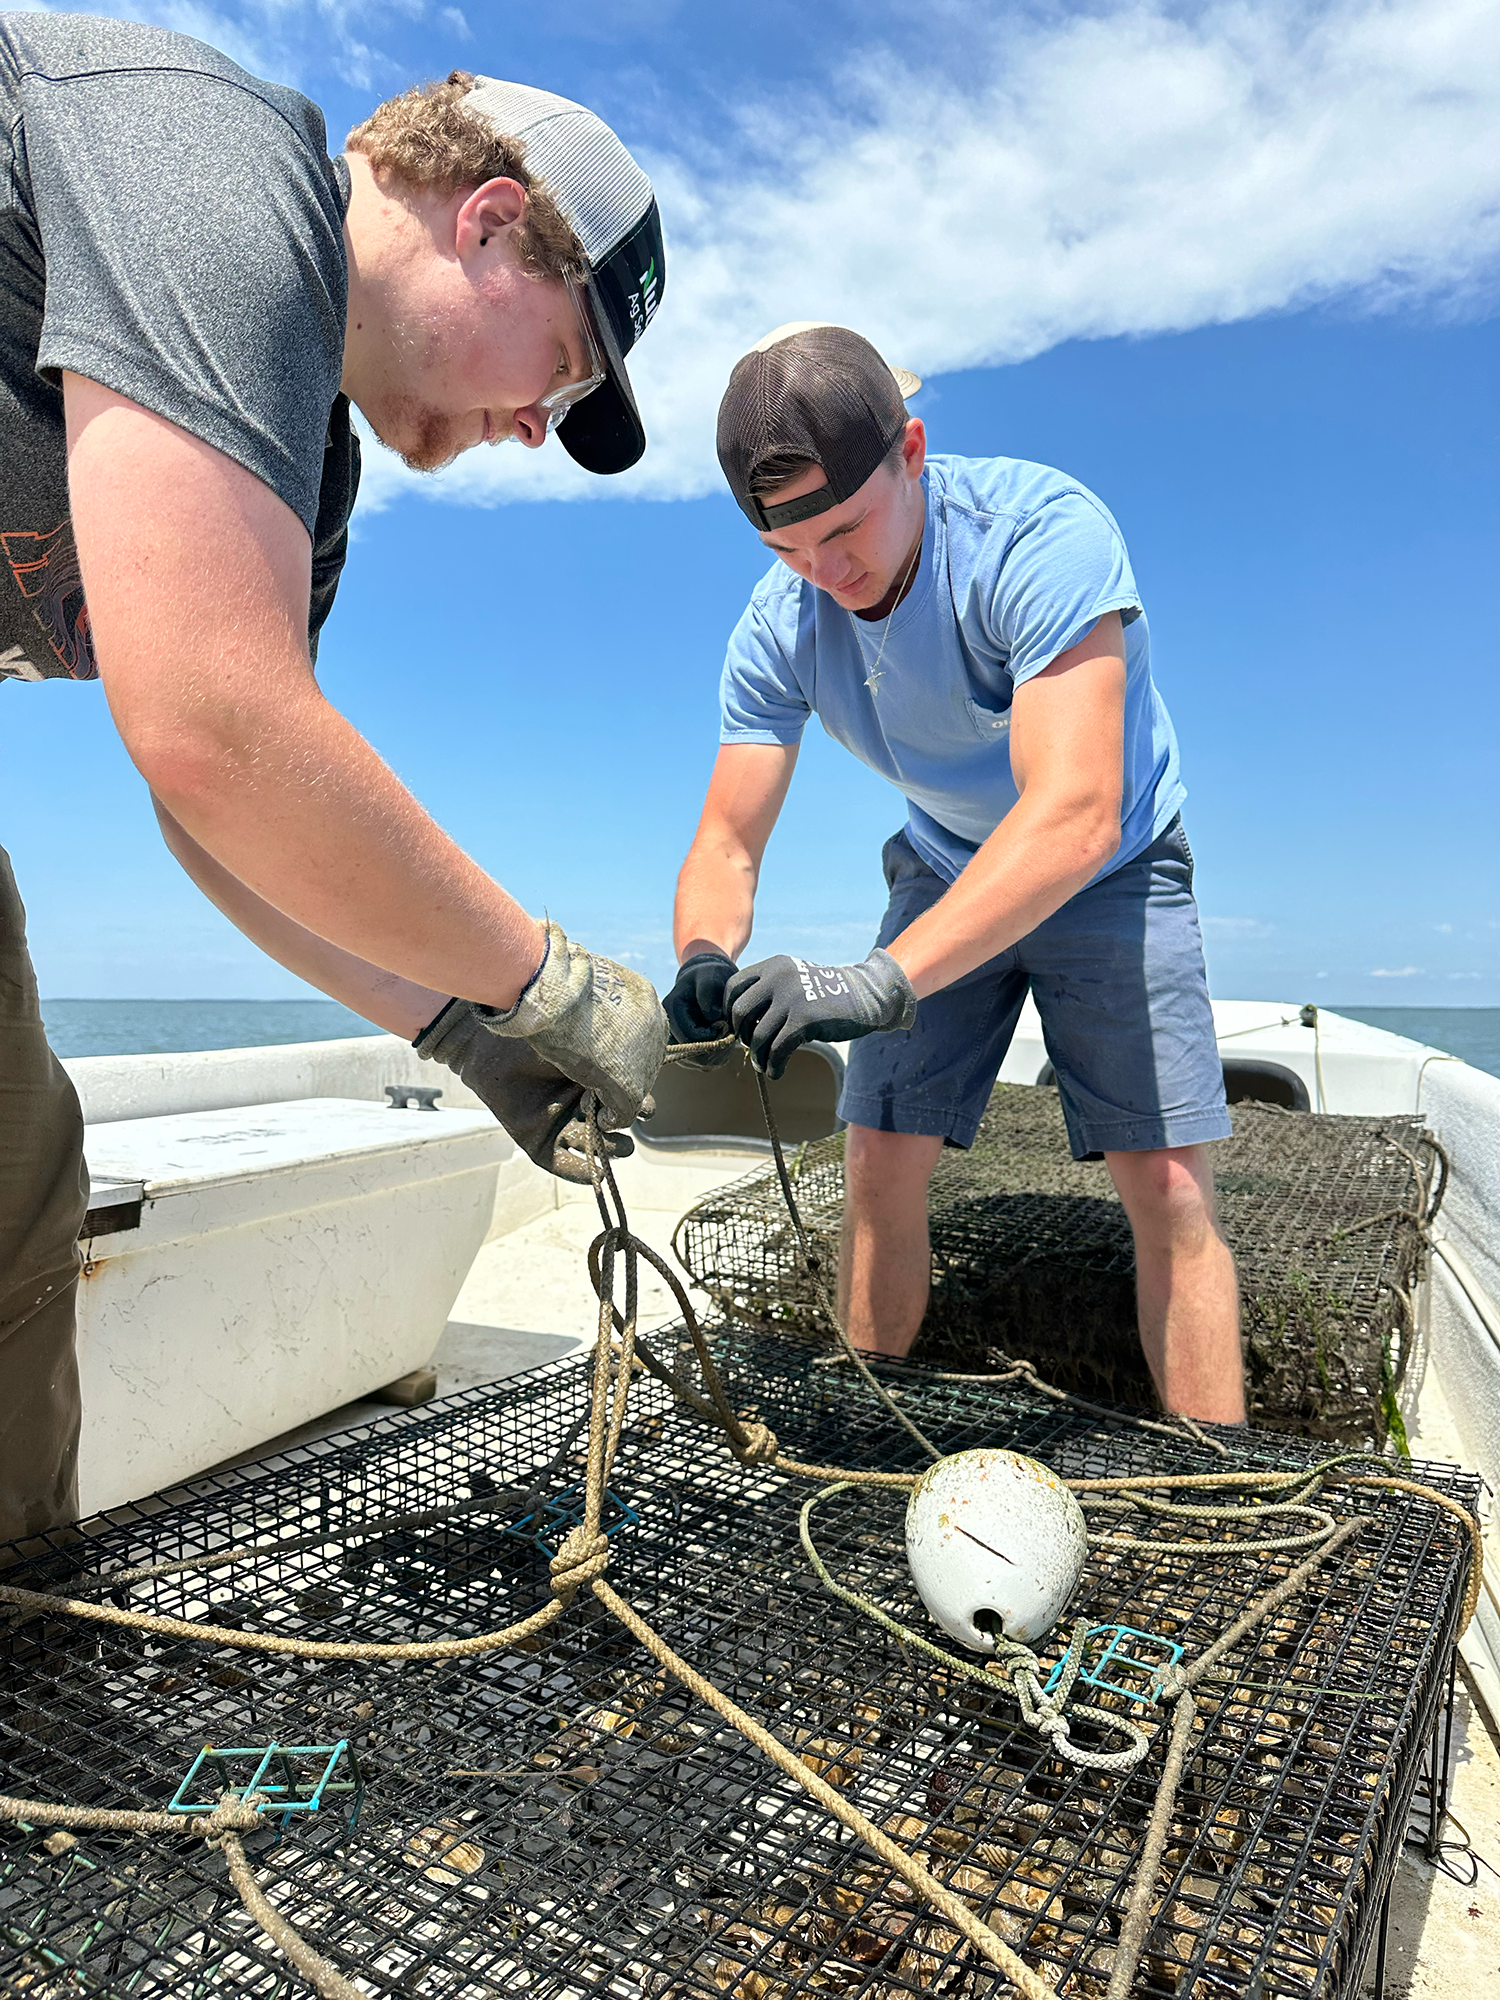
[1018, 562]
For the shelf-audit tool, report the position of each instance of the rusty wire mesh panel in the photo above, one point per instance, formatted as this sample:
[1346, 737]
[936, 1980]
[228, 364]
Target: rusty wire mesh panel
[1031, 1256]
[562, 1821]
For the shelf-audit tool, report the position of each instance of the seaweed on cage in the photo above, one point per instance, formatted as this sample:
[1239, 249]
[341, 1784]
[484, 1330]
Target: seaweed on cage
[561, 1820]
[1032, 1257]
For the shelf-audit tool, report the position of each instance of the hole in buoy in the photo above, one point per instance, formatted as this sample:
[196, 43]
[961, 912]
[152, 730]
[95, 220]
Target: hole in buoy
[990, 1623]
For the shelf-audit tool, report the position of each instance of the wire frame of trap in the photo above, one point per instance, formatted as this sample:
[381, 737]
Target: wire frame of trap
[1032, 1257]
[564, 1821]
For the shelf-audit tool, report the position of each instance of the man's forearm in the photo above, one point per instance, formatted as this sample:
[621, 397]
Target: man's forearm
[715, 902]
[315, 824]
[398, 1005]
[1040, 854]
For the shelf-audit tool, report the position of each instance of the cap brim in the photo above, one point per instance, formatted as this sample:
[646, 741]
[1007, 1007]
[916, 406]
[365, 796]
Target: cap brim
[604, 432]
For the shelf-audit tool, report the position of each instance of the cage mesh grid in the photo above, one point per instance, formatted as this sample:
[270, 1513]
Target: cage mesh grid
[1323, 1214]
[563, 1821]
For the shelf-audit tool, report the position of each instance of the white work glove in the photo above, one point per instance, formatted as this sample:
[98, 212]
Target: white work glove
[596, 1021]
[539, 1106]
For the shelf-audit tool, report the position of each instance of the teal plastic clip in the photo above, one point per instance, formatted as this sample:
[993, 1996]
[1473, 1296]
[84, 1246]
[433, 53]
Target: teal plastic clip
[1113, 1658]
[280, 1773]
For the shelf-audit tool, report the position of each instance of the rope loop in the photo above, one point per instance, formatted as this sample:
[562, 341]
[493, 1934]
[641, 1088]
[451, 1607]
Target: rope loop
[583, 1558]
[757, 1444]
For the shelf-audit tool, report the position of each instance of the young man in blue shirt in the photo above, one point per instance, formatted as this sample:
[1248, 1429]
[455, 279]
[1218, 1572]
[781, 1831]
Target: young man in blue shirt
[970, 629]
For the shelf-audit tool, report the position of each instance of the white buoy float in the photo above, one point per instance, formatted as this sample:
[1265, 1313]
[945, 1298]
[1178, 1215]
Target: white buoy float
[993, 1532]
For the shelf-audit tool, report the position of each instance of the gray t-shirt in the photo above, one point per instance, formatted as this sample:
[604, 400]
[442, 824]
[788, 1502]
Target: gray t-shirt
[170, 227]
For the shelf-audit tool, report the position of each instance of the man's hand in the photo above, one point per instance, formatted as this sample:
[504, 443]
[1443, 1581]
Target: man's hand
[776, 1006]
[695, 1006]
[536, 1103]
[599, 1023]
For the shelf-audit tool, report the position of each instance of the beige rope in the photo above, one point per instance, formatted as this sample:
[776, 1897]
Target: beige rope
[1460, 1514]
[315, 1969]
[911, 1871]
[220, 1828]
[1138, 1910]
[273, 1642]
[228, 1816]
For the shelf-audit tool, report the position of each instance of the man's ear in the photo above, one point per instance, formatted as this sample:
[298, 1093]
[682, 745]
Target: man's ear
[489, 211]
[914, 447]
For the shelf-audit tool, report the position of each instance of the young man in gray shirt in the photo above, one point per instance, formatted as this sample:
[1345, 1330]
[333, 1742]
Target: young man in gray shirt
[192, 294]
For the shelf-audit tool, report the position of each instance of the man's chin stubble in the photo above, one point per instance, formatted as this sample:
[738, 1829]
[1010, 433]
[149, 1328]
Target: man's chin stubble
[432, 451]
[421, 439]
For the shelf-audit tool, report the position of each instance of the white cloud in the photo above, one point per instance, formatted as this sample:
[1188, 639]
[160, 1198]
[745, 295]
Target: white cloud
[287, 40]
[1395, 972]
[1444, 928]
[1237, 927]
[1131, 171]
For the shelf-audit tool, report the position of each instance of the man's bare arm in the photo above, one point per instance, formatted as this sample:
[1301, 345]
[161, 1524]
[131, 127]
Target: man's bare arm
[1067, 753]
[389, 1001]
[197, 579]
[716, 887]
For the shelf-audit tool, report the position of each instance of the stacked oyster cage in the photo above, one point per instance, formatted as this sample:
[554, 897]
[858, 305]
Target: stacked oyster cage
[1032, 1257]
[563, 1820]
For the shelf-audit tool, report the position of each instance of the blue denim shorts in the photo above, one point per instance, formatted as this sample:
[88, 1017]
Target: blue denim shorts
[1117, 975]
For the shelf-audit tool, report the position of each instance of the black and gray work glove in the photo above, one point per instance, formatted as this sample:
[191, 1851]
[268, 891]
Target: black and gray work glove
[533, 1100]
[599, 1023]
[776, 1006]
[695, 1007]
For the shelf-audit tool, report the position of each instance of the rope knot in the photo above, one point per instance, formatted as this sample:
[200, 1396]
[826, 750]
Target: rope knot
[581, 1559]
[759, 1445]
[232, 1813]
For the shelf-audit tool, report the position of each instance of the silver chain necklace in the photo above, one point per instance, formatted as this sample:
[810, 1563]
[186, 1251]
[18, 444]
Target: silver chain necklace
[873, 677]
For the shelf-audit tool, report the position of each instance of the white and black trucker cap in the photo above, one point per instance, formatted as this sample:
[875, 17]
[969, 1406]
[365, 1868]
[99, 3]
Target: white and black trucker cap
[811, 393]
[610, 204]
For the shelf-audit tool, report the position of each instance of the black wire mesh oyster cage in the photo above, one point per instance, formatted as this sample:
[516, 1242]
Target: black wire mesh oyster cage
[561, 1820]
[1032, 1257]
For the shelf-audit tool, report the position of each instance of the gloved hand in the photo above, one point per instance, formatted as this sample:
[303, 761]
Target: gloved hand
[776, 1006]
[534, 1101]
[597, 1022]
[695, 1007]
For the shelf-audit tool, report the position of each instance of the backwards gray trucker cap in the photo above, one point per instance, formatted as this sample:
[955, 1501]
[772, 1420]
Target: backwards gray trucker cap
[610, 204]
[812, 392]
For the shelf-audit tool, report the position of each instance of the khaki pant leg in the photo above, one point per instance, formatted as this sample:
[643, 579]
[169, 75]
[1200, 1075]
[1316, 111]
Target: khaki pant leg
[43, 1198]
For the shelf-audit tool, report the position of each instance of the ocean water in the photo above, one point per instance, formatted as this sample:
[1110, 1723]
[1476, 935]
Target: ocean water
[161, 1027]
[165, 1027]
[1472, 1033]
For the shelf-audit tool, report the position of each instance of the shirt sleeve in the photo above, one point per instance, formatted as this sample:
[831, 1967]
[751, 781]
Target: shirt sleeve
[760, 700]
[194, 249]
[1064, 568]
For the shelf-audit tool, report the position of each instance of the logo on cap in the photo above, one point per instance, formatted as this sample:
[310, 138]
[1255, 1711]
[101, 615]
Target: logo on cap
[643, 300]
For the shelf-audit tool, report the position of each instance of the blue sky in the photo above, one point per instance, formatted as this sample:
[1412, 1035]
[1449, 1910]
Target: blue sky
[1233, 267]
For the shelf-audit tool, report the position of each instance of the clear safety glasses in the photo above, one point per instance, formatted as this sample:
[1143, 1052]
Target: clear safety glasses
[558, 402]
